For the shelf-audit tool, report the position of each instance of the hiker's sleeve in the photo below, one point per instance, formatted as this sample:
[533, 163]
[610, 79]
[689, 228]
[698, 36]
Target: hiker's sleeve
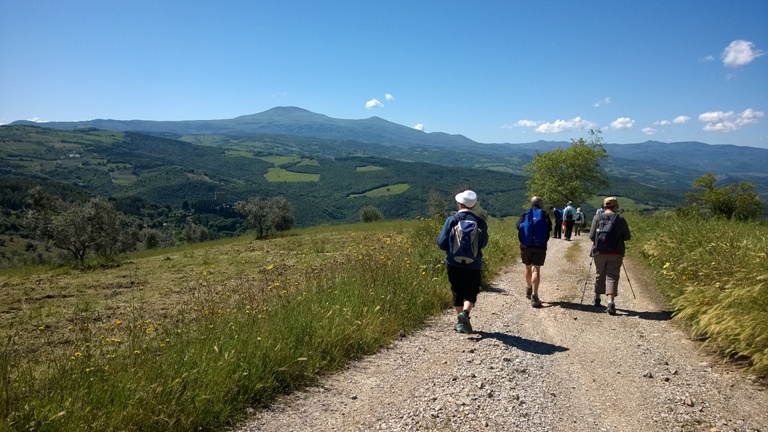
[627, 234]
[442, 238]
[484, 235]
[519, 221]
[592, 228]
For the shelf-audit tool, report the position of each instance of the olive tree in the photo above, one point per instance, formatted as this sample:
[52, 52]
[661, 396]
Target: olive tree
[571, 174]
[265, 215]
[734, 201]
[79, 228]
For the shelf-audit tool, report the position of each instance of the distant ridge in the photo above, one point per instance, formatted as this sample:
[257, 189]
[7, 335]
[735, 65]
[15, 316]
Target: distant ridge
[295, 121]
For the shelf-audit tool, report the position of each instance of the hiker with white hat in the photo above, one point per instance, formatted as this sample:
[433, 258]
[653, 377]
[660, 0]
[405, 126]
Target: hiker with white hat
[463, 237]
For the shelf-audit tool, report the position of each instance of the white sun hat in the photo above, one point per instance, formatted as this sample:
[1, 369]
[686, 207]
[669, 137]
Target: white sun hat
[468, 198]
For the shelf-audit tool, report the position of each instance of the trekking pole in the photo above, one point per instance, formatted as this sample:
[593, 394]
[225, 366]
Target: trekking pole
[586, 280]
[630, 282]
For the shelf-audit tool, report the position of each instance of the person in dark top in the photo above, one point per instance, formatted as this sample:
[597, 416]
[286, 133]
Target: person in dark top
[464, 278]
[558, 214]
[608, 263]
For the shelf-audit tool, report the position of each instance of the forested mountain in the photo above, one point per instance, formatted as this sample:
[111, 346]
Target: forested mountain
[292, 130]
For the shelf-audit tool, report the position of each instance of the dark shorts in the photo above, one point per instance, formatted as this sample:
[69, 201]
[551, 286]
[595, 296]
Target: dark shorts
[532, 256]
[465, 284]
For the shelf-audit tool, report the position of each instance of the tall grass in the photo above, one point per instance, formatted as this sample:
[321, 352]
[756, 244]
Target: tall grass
[237, 342]
[714, 273]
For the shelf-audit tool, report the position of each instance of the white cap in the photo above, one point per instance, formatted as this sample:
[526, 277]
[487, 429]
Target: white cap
[468, 198]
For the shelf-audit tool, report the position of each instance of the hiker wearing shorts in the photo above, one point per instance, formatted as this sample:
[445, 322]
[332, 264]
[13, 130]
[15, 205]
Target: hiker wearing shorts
[608, 262]
[533, 253]
[463, 277]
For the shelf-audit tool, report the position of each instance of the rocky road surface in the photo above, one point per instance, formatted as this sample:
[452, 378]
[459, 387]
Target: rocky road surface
[565, 367]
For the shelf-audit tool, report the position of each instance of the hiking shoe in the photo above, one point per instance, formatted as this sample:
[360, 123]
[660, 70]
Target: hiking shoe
[528, 292]
[611, 309]
[535, 301]
[464, 322]
[596, 302]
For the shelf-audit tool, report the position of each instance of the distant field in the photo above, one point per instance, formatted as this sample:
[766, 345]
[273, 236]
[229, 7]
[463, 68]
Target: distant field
[384, 191]
[281, 160]
[368, 168]
[624, 203]
[239, 153]
[281, 175]
[310, 162]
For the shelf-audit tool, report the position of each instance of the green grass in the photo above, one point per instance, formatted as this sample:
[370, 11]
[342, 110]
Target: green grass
[715, 275]
[384, 191]
[187, 338]
[281, 175]
[368, 168]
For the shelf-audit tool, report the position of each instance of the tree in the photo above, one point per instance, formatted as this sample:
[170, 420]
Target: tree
[437, 206]
[265, 215]
[572, 174]
[370, 214]
[79, 228]
[734, 201]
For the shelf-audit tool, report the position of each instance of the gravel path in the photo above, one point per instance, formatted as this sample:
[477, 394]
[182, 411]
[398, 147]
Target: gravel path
[565, 367]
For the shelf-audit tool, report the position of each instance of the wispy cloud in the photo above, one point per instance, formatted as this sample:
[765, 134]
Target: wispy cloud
[707, 59]
[389, 97]
[374, 103]
[622, 123]
[649, 131]
[719, 121]
[37, 120]
[740, 53]
[419, 127]
[602, 102]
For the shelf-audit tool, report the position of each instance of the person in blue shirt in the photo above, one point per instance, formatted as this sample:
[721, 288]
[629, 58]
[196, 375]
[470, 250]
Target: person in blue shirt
[463, 277]
[569, 214]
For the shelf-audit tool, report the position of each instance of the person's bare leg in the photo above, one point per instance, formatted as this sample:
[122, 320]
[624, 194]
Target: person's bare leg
[535, 278]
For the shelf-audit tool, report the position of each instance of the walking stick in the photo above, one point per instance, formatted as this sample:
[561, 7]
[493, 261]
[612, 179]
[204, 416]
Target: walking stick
[587, 280]
[630, 282]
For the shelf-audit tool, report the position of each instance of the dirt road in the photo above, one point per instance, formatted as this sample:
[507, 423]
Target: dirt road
[566, 367]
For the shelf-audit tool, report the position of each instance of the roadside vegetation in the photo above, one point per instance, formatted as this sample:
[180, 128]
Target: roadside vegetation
[187, 338]
[714, 273]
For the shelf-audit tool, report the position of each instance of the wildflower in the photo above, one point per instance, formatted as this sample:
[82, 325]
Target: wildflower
[136, 352]
[118, 322]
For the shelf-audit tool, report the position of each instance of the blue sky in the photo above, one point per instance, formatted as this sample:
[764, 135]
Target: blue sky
[494, 70]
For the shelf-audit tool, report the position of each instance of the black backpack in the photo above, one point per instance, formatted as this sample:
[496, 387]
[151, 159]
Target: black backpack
[607, 234]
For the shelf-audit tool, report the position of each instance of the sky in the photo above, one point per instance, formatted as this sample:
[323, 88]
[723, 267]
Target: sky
[495, 71]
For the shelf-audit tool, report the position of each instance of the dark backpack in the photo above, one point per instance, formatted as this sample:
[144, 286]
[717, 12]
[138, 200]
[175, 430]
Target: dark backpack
[568, 214]
[607, 235]
[534, 230]
[464, 242]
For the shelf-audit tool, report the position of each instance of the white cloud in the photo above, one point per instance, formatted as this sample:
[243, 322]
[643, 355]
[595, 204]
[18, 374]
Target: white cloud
[527, 123]
[602, 102]
[389, 97]
[623, 123]
[649, 131]
[419, 127]
[374, 103]
[576, 123]
[719, 121]
[662, 123]
[707, 59]
[681, 120]
[740, 53]
[37, 120]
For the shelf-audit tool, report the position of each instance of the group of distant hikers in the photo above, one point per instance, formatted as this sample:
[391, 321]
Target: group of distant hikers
[464, 235]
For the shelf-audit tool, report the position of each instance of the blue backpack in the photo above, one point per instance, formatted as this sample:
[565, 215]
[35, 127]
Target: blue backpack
[464, 241]
[534, 230]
